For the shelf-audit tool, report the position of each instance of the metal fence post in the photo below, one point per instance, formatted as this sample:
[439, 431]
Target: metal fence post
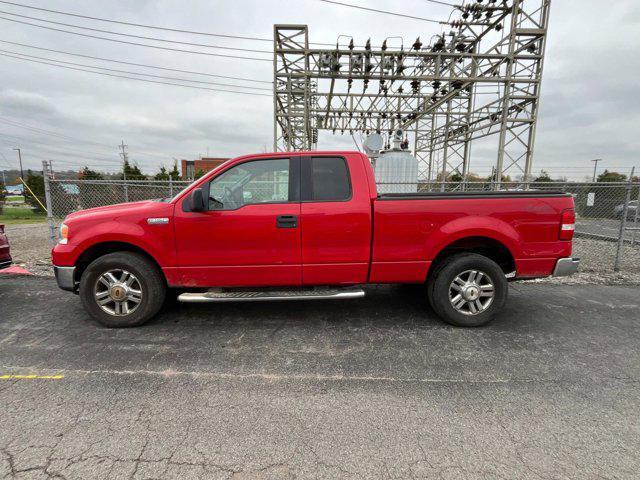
[53, 234]
[636, 217]
[623, 221]
[126, 190]
[170, 186]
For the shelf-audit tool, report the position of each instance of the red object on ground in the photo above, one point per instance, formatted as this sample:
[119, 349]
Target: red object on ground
[15, 270]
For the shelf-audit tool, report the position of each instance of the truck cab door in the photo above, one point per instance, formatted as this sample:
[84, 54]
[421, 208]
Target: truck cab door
[250, 233]
[335, 219]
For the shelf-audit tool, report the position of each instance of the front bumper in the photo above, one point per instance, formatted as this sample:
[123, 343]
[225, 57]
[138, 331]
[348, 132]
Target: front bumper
[65, 276]
[566, 266]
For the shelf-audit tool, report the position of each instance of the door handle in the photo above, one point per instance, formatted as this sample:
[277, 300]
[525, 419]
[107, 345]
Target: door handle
[287, 221]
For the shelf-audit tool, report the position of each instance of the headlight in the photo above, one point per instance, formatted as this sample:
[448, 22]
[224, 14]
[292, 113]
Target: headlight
[64, 234]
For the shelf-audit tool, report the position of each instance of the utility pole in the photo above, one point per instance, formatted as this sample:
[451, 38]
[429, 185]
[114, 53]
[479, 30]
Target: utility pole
[125, 161]
[595, 167]
[24, 193]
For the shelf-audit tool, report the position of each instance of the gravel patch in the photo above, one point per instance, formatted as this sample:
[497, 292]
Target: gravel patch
[30, 248]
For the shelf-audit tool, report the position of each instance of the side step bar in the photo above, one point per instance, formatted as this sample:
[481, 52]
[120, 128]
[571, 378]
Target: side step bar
[266, 295]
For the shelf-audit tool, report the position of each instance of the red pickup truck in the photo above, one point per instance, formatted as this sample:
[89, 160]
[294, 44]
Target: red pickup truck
[5, 253]
[310, 225]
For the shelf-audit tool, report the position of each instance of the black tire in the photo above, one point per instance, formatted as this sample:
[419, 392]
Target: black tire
[148, 277]
[439, 285]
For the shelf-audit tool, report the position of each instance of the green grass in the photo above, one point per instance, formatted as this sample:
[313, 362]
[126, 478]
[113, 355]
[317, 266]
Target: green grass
[15, 198]
[18, 215]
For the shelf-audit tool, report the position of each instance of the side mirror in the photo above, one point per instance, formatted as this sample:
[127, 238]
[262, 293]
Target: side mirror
[197, 202]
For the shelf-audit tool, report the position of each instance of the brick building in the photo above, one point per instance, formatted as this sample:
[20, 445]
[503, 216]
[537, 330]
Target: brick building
[191, 167]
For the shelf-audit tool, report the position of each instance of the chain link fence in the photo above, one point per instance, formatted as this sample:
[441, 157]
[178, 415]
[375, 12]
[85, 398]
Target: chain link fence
[600, 208]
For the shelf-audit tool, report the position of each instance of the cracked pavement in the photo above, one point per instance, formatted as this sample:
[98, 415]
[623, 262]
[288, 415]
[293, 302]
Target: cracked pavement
[370, 388]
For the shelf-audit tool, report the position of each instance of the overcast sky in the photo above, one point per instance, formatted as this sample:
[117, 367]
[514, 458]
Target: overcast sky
[590, 104]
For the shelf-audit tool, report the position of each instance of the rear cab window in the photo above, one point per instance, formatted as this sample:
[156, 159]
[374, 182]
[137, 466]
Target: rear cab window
[325, 179]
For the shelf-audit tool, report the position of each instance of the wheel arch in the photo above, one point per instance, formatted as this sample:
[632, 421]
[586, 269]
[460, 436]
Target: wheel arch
[482, 245]
[103, 248]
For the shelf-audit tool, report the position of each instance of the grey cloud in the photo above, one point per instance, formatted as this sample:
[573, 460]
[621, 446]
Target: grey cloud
[588, 108]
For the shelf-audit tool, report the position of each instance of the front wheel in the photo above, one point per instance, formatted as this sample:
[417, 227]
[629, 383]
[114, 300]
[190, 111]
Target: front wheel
[468, 290]
[122, 289]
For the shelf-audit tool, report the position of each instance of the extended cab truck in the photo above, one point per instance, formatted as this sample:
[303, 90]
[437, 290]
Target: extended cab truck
[310, 226]
[5, 253]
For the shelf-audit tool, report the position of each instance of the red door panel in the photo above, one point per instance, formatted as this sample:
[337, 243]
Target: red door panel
[242, 247]
[336, 235]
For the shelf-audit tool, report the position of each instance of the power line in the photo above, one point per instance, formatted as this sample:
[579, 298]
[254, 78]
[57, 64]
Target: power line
[52, 153]
[13, 123]
[137, 44]
[155, 39]
[72, 139]
[136, 73]
[63, 150]
[375, 10]
[154, 27]
[136, 64]
[134, 78]
[442, 3]
[131, 24]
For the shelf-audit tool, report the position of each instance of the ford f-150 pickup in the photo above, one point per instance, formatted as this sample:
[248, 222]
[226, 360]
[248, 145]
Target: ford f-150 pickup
[310, 225]
[5, 254]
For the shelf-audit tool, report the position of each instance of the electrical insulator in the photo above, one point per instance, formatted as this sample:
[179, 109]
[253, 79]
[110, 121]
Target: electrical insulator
[357, 62]
[325, 60]
[367, 64]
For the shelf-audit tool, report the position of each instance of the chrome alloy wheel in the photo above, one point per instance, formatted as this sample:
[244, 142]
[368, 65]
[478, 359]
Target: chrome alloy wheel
[118, 292]
[471, 292]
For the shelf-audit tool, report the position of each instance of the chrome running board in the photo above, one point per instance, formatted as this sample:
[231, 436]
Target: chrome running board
[266, 295]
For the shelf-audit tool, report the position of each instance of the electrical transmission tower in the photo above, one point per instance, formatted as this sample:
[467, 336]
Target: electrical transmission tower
[479, 79]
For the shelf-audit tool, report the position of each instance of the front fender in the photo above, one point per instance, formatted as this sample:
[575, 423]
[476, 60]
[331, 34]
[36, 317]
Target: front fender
[156, 240]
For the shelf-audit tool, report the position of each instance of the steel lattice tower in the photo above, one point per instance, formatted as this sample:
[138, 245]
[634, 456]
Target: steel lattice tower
[481, 78]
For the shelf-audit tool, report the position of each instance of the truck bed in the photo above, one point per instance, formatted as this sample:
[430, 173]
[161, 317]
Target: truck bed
[411, 229]
[473, 194]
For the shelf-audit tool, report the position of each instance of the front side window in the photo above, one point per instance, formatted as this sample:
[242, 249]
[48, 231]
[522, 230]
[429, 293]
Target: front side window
[260, 181]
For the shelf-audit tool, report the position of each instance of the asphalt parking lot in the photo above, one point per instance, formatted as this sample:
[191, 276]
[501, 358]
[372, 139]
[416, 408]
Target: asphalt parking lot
[371, 388]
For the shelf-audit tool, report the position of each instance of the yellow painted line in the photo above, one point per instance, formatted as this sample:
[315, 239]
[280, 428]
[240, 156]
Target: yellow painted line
[31, 377]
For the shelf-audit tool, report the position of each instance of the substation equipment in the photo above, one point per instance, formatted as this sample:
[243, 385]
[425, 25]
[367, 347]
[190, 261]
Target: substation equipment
[479, 78]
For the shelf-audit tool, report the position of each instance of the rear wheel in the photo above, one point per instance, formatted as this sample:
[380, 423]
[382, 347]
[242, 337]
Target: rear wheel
[467, 290]
[122, 289]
